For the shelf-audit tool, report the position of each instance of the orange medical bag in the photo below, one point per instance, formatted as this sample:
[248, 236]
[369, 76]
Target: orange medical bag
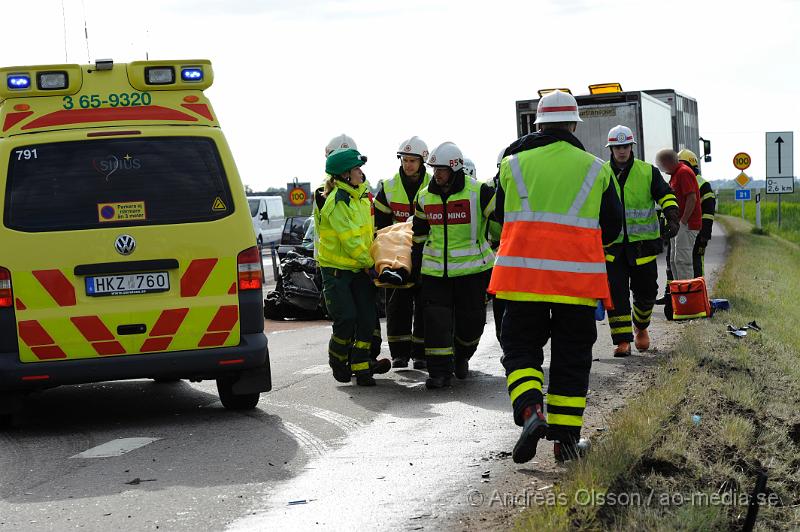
[690, 299]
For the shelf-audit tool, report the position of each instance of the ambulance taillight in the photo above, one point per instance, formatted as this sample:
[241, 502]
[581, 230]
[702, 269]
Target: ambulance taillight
[250, 269]
[6, 295]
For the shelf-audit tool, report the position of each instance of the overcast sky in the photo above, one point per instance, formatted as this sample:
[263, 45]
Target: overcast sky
[290, 74]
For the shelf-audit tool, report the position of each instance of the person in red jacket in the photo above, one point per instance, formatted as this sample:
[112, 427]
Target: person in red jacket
[687, 192]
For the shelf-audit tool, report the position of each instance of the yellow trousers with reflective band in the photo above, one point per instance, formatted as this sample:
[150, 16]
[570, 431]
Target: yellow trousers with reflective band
[572, 331]
[350, 299]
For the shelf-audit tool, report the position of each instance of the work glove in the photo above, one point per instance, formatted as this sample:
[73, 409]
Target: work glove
[673, 226]
[673, 223]
[700, 244]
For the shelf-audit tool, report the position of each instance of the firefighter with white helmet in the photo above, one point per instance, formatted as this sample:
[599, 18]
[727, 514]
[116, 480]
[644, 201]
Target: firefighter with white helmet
[558, 205]
[452, 255]
[394, 204]
[469, 168]
[340, 142]
[557, 107]
[631, 258]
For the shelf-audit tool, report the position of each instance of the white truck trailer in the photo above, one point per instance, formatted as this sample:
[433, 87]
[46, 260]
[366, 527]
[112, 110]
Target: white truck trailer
[659, 119]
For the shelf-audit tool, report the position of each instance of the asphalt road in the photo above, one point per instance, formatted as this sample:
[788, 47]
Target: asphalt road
[137, 455]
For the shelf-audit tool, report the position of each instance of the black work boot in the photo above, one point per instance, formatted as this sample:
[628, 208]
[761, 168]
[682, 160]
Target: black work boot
[534, 429]
[663, 299]
[341, 372]
[462, 368]
[437, 383]
[379, 367]
[570, 449]
[419, 363]
[396, 277]
[400, 362]
[365, 379]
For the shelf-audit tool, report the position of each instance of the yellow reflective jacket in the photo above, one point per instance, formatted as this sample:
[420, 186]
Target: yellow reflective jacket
[345, 228]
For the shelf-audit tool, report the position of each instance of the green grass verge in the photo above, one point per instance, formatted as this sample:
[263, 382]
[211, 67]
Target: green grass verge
[655, 468]
[790, 212]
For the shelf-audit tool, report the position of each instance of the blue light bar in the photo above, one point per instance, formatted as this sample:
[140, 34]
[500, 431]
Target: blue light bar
[192, 74]
[18, 81]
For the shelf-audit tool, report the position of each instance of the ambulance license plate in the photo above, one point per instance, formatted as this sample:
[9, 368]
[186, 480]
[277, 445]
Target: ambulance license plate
[127, 284]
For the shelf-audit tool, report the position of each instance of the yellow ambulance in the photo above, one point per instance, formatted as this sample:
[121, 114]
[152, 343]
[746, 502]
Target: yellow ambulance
[126, 245]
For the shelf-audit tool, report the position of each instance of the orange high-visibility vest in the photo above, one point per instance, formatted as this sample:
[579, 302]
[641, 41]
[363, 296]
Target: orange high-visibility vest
[551, 246]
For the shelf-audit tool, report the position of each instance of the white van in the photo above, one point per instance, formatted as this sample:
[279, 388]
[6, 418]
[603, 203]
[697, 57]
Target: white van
[268, 219]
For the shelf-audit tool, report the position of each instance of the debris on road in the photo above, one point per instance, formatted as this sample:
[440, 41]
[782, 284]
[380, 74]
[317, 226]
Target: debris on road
[137, 481]
[741, 332]
[300, 501]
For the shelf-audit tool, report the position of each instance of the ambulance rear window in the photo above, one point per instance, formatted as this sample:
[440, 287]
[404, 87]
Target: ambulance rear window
[89, 184]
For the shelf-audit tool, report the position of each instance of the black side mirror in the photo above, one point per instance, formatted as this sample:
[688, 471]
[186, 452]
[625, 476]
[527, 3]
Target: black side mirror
[265, 216]
[706, 149]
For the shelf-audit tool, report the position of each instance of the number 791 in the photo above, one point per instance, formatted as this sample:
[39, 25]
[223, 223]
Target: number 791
[27, 154]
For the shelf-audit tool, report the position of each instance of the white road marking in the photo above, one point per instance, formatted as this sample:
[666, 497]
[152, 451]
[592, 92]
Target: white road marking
[116, 447]
[315, 370]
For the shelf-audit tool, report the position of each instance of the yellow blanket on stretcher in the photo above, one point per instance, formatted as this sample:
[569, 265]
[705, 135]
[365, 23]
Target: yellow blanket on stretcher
[392, 249]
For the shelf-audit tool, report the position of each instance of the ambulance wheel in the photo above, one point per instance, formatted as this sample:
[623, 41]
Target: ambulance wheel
[232, 401]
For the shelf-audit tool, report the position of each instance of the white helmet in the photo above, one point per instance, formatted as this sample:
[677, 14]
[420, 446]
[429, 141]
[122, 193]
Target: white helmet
[340, 142]
[620, 136]
[501, 156]
[413, 146]
[447, 154]
[469, 168]
[557, 106]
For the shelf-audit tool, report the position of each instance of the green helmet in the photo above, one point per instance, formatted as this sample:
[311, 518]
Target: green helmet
[343, 160]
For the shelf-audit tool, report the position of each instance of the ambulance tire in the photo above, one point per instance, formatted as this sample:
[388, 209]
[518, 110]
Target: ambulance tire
[10, 405]
[232, 401]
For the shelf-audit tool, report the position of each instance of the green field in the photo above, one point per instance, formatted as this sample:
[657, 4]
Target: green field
[790, 212]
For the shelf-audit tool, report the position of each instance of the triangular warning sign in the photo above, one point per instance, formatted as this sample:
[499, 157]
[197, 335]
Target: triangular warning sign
[219, 205]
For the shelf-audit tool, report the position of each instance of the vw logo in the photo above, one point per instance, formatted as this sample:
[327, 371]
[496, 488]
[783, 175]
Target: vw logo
[125, 244]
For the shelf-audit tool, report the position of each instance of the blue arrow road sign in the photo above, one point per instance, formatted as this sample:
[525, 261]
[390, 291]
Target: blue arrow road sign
[743, 194]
